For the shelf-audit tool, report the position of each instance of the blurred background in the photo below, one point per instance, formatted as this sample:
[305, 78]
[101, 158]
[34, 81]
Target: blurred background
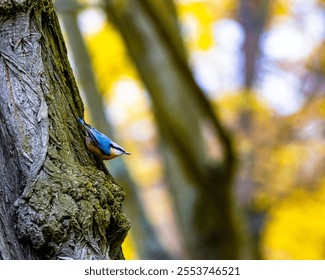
[221, 104]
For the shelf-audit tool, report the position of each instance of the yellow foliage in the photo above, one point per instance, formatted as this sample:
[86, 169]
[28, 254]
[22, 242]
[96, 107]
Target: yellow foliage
[283, 164]
[279, 167]
[296, 229]
[281, 7]
[205, 40]
[231, 104]
[128, 247]
[200, 17]
[109, 57]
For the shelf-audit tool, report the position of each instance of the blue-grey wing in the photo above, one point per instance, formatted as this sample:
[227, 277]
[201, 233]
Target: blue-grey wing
[99, 139]
[102, 141]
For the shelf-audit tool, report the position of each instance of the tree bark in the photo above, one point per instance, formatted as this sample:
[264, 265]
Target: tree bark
[146, 240]
[57, 201]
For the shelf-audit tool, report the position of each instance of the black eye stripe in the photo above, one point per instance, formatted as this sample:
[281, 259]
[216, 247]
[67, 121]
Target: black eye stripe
[117, 148]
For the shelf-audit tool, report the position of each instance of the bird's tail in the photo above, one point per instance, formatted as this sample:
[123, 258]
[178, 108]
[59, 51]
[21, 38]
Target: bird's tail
[81, 121]
[86, 126]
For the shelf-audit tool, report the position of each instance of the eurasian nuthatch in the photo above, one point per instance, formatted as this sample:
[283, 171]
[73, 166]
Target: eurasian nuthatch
[100, 145]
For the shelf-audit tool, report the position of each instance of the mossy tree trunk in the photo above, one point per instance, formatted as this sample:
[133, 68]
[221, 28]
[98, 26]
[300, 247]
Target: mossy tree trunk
[56, 200]
[145, 238]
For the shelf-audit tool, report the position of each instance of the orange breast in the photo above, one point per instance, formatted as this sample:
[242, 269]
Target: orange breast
[97, 152]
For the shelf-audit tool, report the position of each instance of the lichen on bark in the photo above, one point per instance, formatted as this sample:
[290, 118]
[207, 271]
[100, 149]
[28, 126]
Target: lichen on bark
[66, 204]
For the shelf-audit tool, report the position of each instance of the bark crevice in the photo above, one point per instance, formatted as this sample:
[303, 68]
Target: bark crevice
[62, 203]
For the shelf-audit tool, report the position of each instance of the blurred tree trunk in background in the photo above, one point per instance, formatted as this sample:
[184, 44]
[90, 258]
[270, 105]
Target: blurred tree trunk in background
[253, 16]
[146, 241]
[56, 200]
[202, 186]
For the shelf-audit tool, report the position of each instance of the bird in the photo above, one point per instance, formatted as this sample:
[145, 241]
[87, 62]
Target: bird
[101, 145]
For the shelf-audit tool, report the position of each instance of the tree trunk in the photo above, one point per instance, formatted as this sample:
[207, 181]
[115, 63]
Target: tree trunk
[57, 200]
[202, 186]
[253, 16]
[146, 240]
